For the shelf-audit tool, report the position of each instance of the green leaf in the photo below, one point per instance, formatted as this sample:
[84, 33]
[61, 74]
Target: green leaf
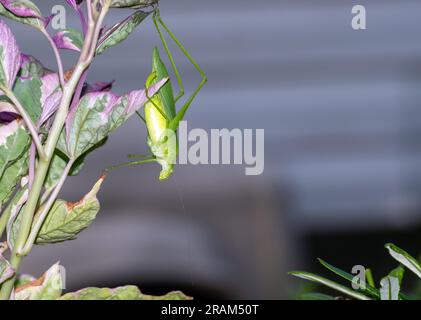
[28, 92]
[15, 208]
[12, 177]
[55, 171]
[398, 273]
[47, 287]
[404, 258]
[369, 277]
[134, 4]
[330, 284]
[14, 143]
[65, 220]
[369, 289]
[120, 32]
[31, 21]
[121, 293]
[316, 296]
[57, 166]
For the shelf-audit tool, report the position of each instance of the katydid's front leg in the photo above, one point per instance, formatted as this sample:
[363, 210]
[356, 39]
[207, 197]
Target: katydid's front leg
[131, 163]
[138, 156]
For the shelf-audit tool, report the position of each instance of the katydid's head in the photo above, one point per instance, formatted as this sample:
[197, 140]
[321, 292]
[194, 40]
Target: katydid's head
[166, 172]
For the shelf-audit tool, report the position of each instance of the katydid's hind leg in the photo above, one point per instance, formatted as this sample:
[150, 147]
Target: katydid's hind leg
[182, 112]
[157, 19]
[127, 164]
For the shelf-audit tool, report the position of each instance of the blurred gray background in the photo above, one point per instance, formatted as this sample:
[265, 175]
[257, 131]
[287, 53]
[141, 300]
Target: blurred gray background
[342, 120]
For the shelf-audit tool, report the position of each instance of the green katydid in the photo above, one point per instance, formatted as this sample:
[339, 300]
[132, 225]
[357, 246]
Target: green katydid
[160, 116]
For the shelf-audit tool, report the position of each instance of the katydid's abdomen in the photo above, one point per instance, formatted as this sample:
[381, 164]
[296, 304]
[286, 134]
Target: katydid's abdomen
[155, 121]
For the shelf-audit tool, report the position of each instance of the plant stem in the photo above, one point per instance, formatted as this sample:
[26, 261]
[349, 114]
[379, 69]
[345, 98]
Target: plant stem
[32, 161]
[58, 57]
[45, 209]
[28, 121]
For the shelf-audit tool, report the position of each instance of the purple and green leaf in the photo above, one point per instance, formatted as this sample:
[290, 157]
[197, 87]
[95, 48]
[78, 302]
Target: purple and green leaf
[97, 115]
[22, 8]
[31, 67]
[47, 287]
[120, 31]
[133, 4]
[10, 57]
[51, 94]
[69, 39]
[23, 11]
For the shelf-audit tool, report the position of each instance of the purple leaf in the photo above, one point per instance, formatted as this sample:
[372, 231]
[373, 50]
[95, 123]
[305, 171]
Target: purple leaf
[10, 57]
[97, 87]
[48, 19]
[120, 31]
[68, 39]
[7, 113]
[74, 3]
[7, 117]
[21, 8]
[50, 96]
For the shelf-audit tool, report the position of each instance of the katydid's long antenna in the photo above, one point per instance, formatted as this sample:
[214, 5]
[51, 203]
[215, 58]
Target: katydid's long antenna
[156, 17]
[183, 206]
[180, 115]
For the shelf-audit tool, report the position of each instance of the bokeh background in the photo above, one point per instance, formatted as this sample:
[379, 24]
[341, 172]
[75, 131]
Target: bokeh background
[342, 120]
